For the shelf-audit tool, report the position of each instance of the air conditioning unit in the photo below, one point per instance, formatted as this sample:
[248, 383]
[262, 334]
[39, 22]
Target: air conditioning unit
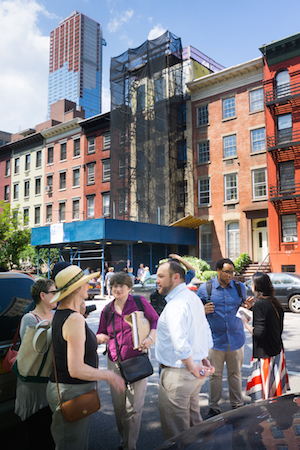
[48, 188]
[288, 239]
[49, 220]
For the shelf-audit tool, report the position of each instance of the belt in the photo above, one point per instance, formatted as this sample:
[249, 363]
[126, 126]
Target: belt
[162, 366]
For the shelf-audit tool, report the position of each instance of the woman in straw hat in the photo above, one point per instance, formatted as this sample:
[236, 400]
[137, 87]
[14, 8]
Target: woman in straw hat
[75, 350]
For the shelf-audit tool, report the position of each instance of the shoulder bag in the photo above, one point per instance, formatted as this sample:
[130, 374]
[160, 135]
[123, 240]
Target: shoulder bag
[79, 407]
[133, 369]
[11, 354]
[34, 359]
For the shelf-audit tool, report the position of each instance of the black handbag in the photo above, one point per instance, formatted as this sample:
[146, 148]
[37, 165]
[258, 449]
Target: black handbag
[133, 369]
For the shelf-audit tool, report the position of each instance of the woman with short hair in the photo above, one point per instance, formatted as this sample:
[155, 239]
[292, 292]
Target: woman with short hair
[128, 405]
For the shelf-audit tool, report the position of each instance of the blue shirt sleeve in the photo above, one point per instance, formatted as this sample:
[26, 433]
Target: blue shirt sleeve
[189, 276]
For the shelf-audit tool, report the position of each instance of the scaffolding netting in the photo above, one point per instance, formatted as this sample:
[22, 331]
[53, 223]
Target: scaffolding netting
[148, 152]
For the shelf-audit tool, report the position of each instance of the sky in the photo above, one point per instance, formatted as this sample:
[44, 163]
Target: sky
[230, 32]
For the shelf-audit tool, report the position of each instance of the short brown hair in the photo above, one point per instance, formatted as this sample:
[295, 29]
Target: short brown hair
[176, 267]
[40, 285]
[121, 278]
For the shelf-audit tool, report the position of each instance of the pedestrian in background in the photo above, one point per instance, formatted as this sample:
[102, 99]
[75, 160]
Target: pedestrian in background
[269, 376]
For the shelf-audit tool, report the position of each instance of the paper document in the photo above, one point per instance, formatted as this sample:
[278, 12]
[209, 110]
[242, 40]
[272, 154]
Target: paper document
[140, 327]
[245, 312]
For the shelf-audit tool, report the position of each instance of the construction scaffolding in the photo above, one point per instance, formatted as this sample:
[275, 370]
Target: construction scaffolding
[148, 151]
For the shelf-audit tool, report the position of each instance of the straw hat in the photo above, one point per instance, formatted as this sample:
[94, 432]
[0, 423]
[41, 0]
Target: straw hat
[69, 279]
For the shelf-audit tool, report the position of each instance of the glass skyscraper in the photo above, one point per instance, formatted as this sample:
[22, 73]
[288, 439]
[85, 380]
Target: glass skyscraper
[75, 68]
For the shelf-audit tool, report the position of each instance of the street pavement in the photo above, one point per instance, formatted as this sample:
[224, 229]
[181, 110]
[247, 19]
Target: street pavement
[104, 434]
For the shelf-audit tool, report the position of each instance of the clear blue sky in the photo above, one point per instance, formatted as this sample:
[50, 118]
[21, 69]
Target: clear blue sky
[228, 32]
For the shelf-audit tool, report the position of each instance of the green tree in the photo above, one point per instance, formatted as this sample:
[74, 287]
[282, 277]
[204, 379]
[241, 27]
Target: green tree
[13, 238]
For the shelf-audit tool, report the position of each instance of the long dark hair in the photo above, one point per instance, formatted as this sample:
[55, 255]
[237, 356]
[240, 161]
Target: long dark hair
[263, 288]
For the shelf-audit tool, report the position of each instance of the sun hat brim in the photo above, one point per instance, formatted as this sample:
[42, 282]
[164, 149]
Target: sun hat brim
[61, 294]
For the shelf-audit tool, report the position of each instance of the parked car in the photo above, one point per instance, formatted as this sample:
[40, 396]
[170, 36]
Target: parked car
[287, 289]
[94, 289]
[145, 288]
[15, 296]
[268, 424]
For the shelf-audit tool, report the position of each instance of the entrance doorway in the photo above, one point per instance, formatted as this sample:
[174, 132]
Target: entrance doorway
[260, 239]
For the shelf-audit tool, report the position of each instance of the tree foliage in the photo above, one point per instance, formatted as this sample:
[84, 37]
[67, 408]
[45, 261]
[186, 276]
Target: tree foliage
[13, 238]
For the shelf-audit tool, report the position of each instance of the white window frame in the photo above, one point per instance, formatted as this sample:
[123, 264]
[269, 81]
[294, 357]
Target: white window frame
[60, 207]
[229, 142]
[202, 115]
[228, 111]
[204, 191]
[106, 204]
[256, 99]
[7, 168]
[75, 213]
[16, 191]
[229, 188]
[260, 184]
[49, 210]
[63, 145]
[205, 151]
[106, 170]
[91, 173]
[106, 141]
[91, 145]
[75, 178]
[37, 208]
[255, 141]
[38, 160]
[27, 162]
[17, 166]
[75, 149]
[90, 206]
[289, 231]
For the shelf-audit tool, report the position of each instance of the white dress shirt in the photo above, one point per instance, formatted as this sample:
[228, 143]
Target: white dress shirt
[182, 329]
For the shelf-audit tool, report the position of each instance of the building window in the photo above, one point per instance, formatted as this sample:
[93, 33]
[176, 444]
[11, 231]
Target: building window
[50, 182]
[26, 216]
[17, 165]
[75, 210]
[76, 147]
[160, 120]
[287, 176]
[48, 213]
[229, 146]
[256, 99]
[6, 192]
[181, 152]
[289, 228]
[26, 188]
[203, 191]
[106, 141]
[203, 152]
[91, 145]
[231, 187]
[233, 240]
[63, 151]
[37, 215]
[106, 170]
[90, 173]
[123, 202]
[258, 140]
[7, 168]
[282, 83]
[259, 183]
[90, 206]
[159, 89]
[160, 156]
[16, 191]
[122, 166]
[140, 161]
[140, 98]
[38, 161]
[62, 180]
[202, 115]
[62, 212]
[37, 188]
[50, 155]
[206, 242]
[182, 195]
[105, 204]
[285, 128]
[27, 162]
[228, 107]
[76, 177]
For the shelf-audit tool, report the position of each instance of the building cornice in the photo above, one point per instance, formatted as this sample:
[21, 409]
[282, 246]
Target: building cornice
[227, 79]
[61, 128]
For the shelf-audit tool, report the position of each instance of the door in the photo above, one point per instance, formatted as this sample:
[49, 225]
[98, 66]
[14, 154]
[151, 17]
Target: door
[233, 240]
[260, 240]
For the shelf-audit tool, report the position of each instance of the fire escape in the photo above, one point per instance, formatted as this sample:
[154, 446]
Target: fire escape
[283, 102]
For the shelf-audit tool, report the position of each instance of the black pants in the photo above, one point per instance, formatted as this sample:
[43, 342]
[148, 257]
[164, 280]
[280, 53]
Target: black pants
[38, 434]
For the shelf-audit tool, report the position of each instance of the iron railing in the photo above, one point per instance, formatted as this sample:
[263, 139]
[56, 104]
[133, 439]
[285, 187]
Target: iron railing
[280, 93]
[284, 192]
[283, 138]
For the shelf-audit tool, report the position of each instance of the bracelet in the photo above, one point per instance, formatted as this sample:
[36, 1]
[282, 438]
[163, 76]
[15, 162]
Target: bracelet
[151, 338]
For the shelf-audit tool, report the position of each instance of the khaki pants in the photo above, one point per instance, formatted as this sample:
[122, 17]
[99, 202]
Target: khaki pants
[128, 408]
[178, 400]
[234, 361]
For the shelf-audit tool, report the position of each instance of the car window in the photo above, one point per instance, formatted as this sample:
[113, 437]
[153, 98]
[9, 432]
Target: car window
[276, 278]
[281, 278]
[150, 280]
[287, 279]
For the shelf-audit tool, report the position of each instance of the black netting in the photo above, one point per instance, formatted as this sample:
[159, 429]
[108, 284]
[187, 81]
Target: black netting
[148, 155]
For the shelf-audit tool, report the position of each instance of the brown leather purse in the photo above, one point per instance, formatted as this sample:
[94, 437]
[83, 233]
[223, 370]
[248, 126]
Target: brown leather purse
[78, 407]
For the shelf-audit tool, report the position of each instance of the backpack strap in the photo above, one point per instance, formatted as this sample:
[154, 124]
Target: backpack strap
[138, 301]
[238, 288]
[208, 289]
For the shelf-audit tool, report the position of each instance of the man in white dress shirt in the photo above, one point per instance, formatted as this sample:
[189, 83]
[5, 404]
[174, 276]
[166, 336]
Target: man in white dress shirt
[183, 340]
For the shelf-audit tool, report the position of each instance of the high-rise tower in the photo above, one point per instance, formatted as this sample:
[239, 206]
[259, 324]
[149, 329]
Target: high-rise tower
[75, 66]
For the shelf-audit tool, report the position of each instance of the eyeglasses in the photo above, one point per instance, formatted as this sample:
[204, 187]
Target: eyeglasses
[228, 272]
[51, 292]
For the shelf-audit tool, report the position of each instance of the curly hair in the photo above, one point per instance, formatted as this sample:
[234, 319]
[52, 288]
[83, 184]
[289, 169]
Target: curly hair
[41, 285]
